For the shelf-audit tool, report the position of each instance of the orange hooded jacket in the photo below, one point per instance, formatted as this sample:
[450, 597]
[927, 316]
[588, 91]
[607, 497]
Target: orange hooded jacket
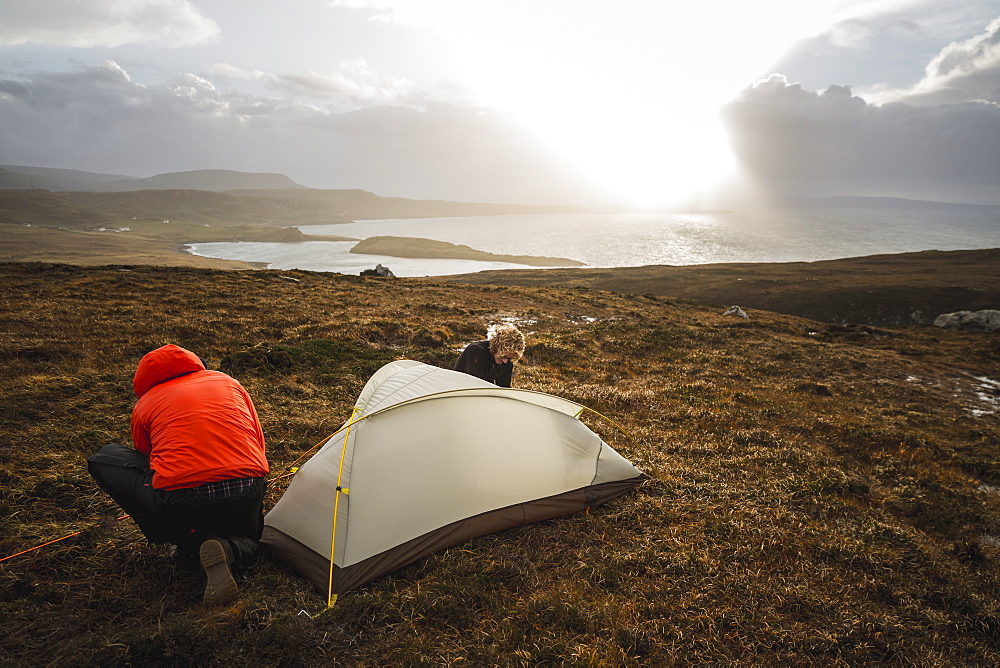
[195, 425]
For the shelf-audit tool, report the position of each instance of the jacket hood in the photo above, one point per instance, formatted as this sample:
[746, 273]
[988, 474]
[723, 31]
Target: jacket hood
[162, 364]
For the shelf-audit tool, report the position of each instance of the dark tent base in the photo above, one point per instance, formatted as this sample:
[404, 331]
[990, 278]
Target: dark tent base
[316, 568]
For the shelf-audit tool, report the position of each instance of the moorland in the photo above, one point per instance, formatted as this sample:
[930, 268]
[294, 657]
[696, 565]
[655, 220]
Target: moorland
[819, 493]
[900, 289]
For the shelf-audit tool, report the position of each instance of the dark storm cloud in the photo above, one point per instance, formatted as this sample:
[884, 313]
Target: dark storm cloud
[795, 142]
[99, 119]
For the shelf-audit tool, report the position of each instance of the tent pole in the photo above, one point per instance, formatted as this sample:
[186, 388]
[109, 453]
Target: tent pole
[613, 423]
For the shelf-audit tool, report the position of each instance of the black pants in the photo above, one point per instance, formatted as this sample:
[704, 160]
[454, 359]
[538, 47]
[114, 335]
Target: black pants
[184, 517]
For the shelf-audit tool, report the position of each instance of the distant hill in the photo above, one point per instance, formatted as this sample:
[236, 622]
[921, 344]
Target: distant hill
[17, 177]
[271, 207]
[22, 177]
[891, 203]
[14, 181]
[217, 180]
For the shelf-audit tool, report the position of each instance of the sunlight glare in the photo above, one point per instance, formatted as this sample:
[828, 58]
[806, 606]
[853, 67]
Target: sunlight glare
[633, 104]
[647, 161]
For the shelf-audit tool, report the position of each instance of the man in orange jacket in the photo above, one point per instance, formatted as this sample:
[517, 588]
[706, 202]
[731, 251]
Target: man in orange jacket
[196, 477]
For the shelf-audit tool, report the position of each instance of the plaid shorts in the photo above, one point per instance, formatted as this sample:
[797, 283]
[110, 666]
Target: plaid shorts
[223, 489]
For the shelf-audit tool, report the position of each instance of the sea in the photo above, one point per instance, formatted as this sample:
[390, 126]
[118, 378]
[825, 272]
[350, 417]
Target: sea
[803, 234]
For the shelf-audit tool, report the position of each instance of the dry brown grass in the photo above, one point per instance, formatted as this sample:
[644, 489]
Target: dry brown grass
[820, 493]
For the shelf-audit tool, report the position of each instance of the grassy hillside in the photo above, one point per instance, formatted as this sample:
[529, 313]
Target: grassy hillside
[21, 177]
[819, 493]
[903, 289]
[45, 209]
[140, 242]
[275, 208]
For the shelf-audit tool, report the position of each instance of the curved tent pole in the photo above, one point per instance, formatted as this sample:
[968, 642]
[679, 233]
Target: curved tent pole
[444, 393]
[473, 391]
[613, 423]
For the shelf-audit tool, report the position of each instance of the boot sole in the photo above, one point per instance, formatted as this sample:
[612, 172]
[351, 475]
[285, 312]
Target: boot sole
[220, 587]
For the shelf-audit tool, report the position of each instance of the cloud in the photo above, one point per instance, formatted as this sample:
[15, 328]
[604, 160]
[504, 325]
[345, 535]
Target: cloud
[795, 142]
[413, 12]
[962, 71]
[353, 86]
[851, 33]
[939, 139]
[90, 23]
[99, 119]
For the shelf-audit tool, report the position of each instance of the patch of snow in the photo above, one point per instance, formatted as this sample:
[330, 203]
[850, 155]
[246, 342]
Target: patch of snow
[989, 389]
[988, 392]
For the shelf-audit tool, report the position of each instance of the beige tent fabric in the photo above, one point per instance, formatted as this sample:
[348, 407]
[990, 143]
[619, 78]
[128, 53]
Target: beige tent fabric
[433, 457]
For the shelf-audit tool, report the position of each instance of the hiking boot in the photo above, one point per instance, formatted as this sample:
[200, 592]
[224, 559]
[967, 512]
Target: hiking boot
[216, 556]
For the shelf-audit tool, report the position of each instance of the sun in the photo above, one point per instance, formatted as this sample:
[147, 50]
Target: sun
[645, 160]
[654, 164]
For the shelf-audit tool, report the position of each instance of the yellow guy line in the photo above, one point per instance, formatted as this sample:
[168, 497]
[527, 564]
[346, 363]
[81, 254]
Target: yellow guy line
[331, 598]
[291, 469]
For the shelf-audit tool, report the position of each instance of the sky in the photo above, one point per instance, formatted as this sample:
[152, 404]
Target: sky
[634, 102]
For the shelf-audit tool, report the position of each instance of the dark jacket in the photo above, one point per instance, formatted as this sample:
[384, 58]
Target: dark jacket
[477, 360]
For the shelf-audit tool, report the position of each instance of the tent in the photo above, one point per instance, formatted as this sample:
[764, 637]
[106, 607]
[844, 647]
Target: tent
[429, 459]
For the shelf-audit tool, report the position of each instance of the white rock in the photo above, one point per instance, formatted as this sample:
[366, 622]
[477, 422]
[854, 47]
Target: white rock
[987, 320]
[736, 311]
